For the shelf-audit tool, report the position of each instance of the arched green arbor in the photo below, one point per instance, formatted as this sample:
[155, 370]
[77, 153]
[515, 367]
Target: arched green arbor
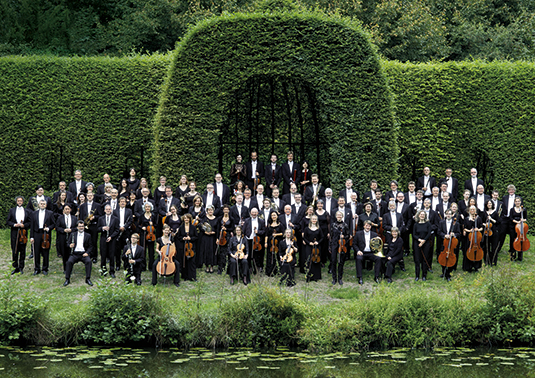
[272, 82]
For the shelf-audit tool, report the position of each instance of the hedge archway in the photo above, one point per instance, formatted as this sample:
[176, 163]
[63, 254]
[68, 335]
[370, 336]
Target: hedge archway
[332, 55]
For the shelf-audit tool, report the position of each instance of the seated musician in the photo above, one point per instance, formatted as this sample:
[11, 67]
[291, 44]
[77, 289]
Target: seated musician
[394, 253]
[162, 243]
[80, 244]
[361, 244]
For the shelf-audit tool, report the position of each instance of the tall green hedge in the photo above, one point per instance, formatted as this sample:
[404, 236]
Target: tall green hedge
[464, 115]
[334, 56]
[61, 114]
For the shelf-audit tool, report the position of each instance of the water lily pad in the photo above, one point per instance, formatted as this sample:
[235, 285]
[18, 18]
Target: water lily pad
[96, 367]
[242, 368]
[39, 367]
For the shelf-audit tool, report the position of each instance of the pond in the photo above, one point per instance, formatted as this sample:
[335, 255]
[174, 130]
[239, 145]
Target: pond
[283, 362]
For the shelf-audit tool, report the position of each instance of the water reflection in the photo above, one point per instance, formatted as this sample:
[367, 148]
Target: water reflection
[86, 362]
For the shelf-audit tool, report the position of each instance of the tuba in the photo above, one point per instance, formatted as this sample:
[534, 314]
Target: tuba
[376, 245]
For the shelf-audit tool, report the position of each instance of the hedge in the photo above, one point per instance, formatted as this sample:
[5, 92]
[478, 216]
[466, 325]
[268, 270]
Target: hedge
[61, 114]
[333, 55]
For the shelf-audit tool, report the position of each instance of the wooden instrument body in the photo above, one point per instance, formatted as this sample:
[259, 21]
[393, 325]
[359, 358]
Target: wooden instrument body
[45, 243]
[166, 265]
[447, 257]
[151, 235]
[188, 249]
[316, 258]
[521, 243]
[475, 252]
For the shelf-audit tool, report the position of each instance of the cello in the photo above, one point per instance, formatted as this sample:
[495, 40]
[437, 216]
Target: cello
[521, 243]
[166, 265]
[447, 257]
[475, 252]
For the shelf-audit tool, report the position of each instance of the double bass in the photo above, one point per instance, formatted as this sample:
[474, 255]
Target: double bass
[166, 265]
[447, 257]
[521, 243]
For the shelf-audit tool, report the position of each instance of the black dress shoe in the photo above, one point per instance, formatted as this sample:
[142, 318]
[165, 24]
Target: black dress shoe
[232, 281]
[442, 275]
[430, 270]
[36, 272]
[403, 270]
[14, 271]
[45, 272]
[177, 284]
[389, 280]
[377, 279]
[424, 278]
[406, 254]
[67, 281]
[340, 282]
[360, 281]
[31, 256]
[138, 283]
[193, 280]
[94, 261]
[448, 279]
[417, 279]
[21, 271]
[334, 281]
[112, 275]
[88, 281]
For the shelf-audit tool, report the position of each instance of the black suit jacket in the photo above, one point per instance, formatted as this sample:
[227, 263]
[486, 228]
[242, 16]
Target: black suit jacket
[84, 213]
[88, 246]
[430, 184]
[138, 257]
[505, 205]
[247, 228]
[30, 206]
[72, 187]
[127, 217]
[440, 209]
[293, 220]
[347, 215]
[468, 185]
[225, 196]
[216, 202]
[235, 216]
[309, 193]
[359, 241]
[70, 197]
[162, 206]
[49, 221]
[486, 198]
[288, 176]
[383, 207]
[343, 193]
[114, 226]
[388, 224]
[252, 203]
[454, 187]
[301, 213]
[281, 203]
[11, 218]
[390, 195]
[367, 197]
[334, 203]
[259, 169]
[100, 192]
[268, 174]
[442, 229]
[61, 225]
[139, 208]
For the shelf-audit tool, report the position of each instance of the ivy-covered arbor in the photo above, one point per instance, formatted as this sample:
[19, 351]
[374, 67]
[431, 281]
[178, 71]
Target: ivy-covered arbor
[271, 82]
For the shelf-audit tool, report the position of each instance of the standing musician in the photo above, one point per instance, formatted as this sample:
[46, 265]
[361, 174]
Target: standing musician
[255, 227]
[498, 205]
[472, 183]
[356, 210]
[426, 183]
[163, 242]
[198, 214]
[472, 222]
[266, 210]
[62, 187]
[273, 175]
[305, 176]
[413, 209]
[394, 253]
[380, 206]
[255, 170]
[182, 189]
[452, 184]
[221, 190]
[259, 197]
[108, 226]
[274, 233]
[449, 228]
[286, 256]
[324, 220]
[238, 257]
[508, 203]
[159, 192]
[291, 173]
[239, 212]
[190, 196]
[314, 192]
[363, 251]
[433, 219]
[90, 211]
[248, 200]
[124, 216]
[329, 204]
[19, 220]
[347, 191]
[226, 226]
[289, 198]
[422, 243]
[517, 215]
[299, 210]
[345, 210]
[370, 194]
[146, 223]
[139, 207]
[490, 220]
[368, 214]
[164, 206]
[403, 209]
[208, 239]
[133, 182]
[209, 198]
[101, 189]
[410, 195]
[238, 171]
[42, 223]
[393, 192]
[143, 184]
[481, 198]
[186, 234]
[78, 185]
[134, 259]
[339, 234]
[65, 224]
[435, 198]
[80, 245]
[312, 238]
[33, 203]
[444, 205]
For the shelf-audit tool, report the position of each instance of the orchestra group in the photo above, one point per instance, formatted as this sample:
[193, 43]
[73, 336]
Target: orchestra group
[253, 227]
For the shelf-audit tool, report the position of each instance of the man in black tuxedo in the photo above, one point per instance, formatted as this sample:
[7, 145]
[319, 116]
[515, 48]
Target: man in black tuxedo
[124, 215]
[134, 259]
[254, 169]
[101, 189]
[254, 226]
[472, 183]
[248, 200]
[91, 210]
[363, 251]
[410, 195]
[315, 191]
[452, 184]
[393, 192]
[42, 221]
[108, 226]
[63, 187]
[210, 198]
[277, 200]
[289, 198]
[346, 211]
[347, 191]
[78, 185]
[65, 225]
[288, 219]
[444, 205]
[392, 219]
[481, 198]
[238, 212]
[221, 190]
[291, 173]
[369, 196]
[139, 207]
[426, 183]
[329, 203]
[19, 220]
[164, 207]
[33, 203]
[260, 196]
[508, 202]
[80, 244]
[379, 205]
[273, 175]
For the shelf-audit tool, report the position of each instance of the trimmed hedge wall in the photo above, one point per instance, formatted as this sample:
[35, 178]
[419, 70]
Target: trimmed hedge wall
[61, 114]
[464, 115]
[219, 55]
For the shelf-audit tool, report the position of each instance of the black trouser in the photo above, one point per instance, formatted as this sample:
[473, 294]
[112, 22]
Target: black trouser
[18, 250]
[256, 258]
[368, 256]
[242, 268]
[422, 257]
[135, 272]
[390, 264]
[107, 251]
[337, 263]
[191, 268]
[73, 259]
[119, 246]
[288, 273]
[222, 258]
[388, 240]
[148, 249]
[38, 251]
[176, 278]
[503, 228]
[92, 230]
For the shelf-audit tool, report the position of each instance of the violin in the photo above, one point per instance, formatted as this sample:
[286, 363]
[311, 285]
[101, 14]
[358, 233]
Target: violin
[23, 236]
[240, 251]
[316, 258]
[488, 228]
[381, 232]
[195, 221]
[288, 257]
[521, 243]
[342, 245]
[45, 243]
[475, 252]
[256, 242]
[256, 182]
[188, 249]
[447, 257]
[166, 265]
[222, 238]
[151, 236]
[274, 245]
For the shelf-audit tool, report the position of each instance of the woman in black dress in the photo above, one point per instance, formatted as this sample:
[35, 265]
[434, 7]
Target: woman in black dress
[368, 214]
[422, 247]
[174, 223]
[198, 214]
[238, 264]
[124, 190]
[306, 175]
[490, 218]
[143, 184]
[225, 227]
[312, 237]
[146, 221]
[238, 171]
[183, 188]
[59, 205]
[208, 238]
[133, 182]
[191, 194]
[287, 252]
[163, 242]
[187, 233]
[324, 220]
[274, 231]
[394, 253]
[517, 214]
[304, 224]
[472, 222]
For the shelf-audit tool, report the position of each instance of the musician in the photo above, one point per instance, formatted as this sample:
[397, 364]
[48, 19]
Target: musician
[101, 188]
[174, 221]
[517, 214]
[272, 175]
[42, 221]
[62, 187]
[159, 192]
[65, 224]
[433, 219]
[208, 238]
[314, 192]
[239, 212]
[108, 226]
[435, 198]
[57, 207]
[448, 228]
[287, 252]
[347, 191]
[125, 222]
[134, 259]
[444, 205]
[368, 215]
[255, 227]
[324, 220]
[113, 201]
[259, 197]
[274, 233]
[452, 184]
[187, 233]
[508, 202]
[107, 194]
[392, 219]
[190, 196]
[133, 182]
[363, 251]
[145, 222]
[289, 198]
[78, 185]
[393, 192]
[221, 190]
[426, 182]
[163, 242]
[80, 245]
[238, 171]
[291, 173]
[410, 195]
[394, 253]
[380, 206]
[124, 189]
[313, 237]
[472, 183]
[490, 219]
[89, 212]
[255, 170]
[19, 220]
[413, 209]
[421, 237]
[472, 222]
[239, 188]
[249, 201]
[143, 184]
[265, 211]
[238, 265]
[306, 174]
[226, 226]
[370, 194]
[199, 215]
[209, 198]
[356, 209]
[131, 204]
[139, 207]
[455, 214]
[164, 207]
[345, 210]
[299, 210]
[183, 188]
[339, 230]
[33, 203]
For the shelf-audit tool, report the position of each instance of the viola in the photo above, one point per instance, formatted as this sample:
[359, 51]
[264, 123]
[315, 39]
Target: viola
[23, 236]
[274, 245]
[342, 245]
[45, 243]
[151, 236]
[521, 243]
[256, 182]
[316, 258]
[447, 257]
[166, 265]
[475, 252]
[240, 251]
[188, 249]
[381, 232]
[488, 228]
[256, 243]
[222, 238]
[288, 257]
